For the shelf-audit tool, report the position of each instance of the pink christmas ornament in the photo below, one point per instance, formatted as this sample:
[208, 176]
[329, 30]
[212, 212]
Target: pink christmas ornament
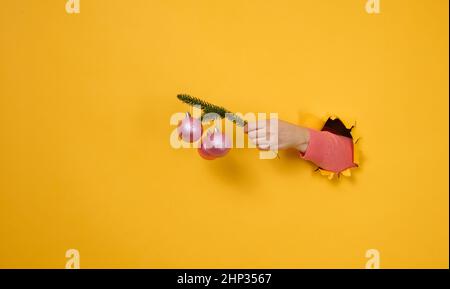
[216, 144]
[190, 129]
[203, 152]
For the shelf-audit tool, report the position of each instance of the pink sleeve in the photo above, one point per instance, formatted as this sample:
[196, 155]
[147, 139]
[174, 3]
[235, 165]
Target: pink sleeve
[329, 151]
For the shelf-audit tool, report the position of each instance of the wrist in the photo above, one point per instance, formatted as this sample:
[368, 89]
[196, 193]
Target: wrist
[302, 140]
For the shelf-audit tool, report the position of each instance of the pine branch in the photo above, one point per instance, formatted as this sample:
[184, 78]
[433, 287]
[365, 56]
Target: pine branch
[208, 108]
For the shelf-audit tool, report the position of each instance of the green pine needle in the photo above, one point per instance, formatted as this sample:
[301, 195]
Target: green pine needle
[211, 108]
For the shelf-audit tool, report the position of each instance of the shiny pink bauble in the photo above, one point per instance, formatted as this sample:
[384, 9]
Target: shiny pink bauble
[190, 129]
[216, 144]
[202, 151]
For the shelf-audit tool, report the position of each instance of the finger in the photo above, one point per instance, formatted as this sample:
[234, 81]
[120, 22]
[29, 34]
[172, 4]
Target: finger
[264, 147]
[254, 125]
[260, 133]
[262, 144]
[259, 141]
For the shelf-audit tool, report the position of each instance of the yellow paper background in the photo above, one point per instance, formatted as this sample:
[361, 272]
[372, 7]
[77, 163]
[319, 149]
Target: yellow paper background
[85, 160]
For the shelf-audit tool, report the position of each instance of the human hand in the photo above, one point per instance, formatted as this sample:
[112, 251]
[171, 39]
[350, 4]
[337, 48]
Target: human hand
[267, 137]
